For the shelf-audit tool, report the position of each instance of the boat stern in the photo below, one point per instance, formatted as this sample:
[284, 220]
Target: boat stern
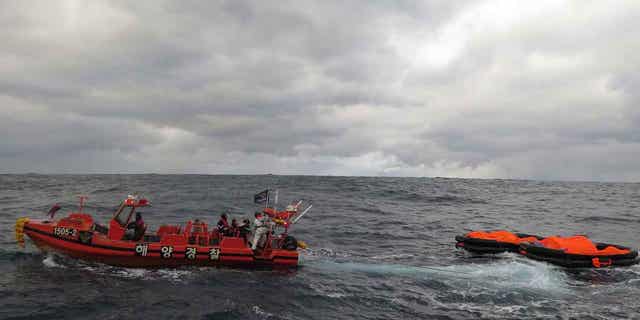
[19, 231]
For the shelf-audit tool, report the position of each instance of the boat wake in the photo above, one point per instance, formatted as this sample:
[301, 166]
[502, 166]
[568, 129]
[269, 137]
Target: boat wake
[172, 275]
[52, 260]
[505, 274]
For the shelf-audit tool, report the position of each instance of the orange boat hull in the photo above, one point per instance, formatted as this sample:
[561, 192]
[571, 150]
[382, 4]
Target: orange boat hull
[142, 254]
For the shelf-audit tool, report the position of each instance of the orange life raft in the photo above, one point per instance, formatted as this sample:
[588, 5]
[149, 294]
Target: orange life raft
[493, 241]
[579, 252]
[572, 252]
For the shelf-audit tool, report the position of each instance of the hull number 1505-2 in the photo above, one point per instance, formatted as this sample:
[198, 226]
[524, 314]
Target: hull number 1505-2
[65, 232]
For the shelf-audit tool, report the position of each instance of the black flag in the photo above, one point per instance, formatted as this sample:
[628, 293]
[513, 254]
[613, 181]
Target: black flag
[53, 210]
[262, 197]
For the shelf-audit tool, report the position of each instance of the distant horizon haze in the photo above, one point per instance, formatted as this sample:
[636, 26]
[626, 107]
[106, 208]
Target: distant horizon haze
[303, 175]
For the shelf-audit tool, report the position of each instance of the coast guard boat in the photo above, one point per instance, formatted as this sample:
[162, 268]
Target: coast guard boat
[79, 235]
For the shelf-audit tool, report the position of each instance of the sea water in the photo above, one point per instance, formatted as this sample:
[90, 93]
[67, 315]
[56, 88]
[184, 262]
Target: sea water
[379, 248]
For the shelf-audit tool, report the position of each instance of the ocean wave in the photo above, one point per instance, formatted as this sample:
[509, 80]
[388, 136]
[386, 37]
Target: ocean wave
[599, 219]
[239, 312]
[13, 255]
[454, 199]
[381, 248]
[399, 256]
[172, 275]
[107, 189]
[311, 253]
[327, 290]
[50, 262]
[257, 310]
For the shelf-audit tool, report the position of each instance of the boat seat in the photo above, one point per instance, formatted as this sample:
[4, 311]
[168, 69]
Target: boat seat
[100, 228]
[214, 238]
[168, 229]
[176, 239]
[139, 234]
[151, 238]
[199, 239]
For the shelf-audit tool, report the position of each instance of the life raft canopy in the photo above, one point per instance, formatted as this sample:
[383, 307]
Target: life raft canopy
[501, 236]
[581, 245]
[573, 252]
[493, 241]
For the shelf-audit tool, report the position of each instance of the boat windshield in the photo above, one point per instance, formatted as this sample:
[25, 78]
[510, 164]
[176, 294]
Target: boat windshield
[122, 217]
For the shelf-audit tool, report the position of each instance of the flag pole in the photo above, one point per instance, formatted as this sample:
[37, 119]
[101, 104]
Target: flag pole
[275, 202]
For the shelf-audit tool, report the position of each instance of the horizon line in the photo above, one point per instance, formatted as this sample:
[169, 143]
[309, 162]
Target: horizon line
[318, 175]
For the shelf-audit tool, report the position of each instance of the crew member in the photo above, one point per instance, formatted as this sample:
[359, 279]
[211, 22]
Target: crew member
[198, 226]
[138, 226]
[244, 229]
[223, 225]
[261, 228]
[234, 227]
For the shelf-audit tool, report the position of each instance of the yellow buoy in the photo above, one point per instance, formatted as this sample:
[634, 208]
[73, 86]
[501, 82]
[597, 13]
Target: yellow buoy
[20, 230]
[302, 244]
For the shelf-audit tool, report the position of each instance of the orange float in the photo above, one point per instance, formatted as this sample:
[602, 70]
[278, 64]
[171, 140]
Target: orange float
[579, 252]
[572, 252]
[493, 241]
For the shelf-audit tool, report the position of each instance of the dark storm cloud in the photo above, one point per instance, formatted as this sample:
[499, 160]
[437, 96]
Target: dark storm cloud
[476, 89]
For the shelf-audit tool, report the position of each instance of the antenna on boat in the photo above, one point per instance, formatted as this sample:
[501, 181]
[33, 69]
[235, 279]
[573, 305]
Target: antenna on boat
[82, 198]
[303, 213]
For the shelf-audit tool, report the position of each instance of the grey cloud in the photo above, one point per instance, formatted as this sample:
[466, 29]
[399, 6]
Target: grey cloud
[477, 89]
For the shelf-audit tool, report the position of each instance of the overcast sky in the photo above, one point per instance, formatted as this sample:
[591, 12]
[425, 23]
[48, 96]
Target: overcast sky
[478, 89]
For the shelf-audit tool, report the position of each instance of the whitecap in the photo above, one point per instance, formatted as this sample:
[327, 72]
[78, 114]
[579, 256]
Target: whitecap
[327, 291]
[261, 313]
[174, 275]
[50, 262]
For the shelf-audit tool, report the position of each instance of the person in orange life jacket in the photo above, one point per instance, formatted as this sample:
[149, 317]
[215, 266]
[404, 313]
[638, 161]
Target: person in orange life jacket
[261, 228]
[198, 226]
[138, 226]
[223, 225]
